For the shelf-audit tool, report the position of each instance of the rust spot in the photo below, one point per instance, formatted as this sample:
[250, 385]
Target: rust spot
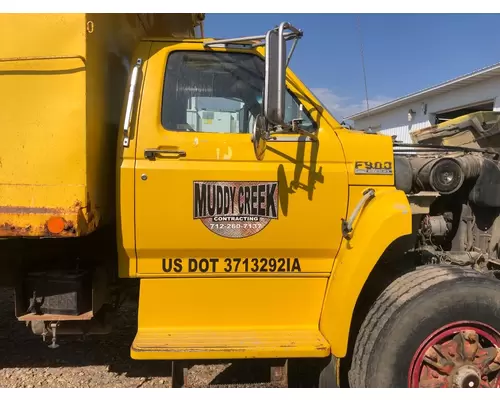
[69, 226]
[8, 229]
[30, 210]
[65, 227]
[56, 317]
[67, 231]
[40, 210]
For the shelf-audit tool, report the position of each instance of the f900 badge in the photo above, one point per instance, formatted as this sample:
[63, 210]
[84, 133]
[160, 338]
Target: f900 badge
[373, 168]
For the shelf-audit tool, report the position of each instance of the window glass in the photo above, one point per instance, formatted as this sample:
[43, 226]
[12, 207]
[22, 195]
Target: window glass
[292, 111]
[217, 92]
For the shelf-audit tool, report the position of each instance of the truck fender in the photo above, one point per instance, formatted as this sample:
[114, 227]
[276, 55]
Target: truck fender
[384, 219]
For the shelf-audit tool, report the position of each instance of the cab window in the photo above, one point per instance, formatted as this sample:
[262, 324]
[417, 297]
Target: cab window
[217, 92]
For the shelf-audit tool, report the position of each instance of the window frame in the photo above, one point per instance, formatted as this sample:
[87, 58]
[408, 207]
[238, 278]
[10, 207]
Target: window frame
[304, 110]
[288, 89]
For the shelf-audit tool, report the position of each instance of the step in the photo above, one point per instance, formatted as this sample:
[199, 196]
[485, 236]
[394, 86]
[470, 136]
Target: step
[152, 344]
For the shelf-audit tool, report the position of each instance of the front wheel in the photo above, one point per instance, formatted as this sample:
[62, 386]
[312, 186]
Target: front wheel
[433, 327]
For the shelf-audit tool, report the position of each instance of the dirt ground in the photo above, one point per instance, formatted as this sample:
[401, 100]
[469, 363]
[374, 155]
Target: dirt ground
[104, 361]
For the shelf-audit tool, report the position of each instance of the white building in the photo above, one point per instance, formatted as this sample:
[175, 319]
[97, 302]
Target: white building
[477, 91]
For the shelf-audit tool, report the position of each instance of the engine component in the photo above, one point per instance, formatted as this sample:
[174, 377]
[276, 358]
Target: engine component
[429, 255]
[403, 174]
[486, 190]
[444, 175]
[438, 226]
[447, 175]
[435, 226]
[463, 238]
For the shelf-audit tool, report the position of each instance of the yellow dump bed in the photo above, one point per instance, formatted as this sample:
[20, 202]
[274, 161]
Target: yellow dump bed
[62, 85]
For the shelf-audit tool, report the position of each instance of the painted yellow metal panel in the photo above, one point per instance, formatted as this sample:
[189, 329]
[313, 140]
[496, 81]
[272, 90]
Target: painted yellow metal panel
[362, 148]
[230, 303]
[285, 342]
[42, 156]
[127, 262]
[384, 219]
[111, 40]
[257, 308]
[312, 183]
[63, 82]
[108, 62]
[180, 259]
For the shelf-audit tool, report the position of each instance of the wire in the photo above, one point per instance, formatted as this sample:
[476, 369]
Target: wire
[363, 61]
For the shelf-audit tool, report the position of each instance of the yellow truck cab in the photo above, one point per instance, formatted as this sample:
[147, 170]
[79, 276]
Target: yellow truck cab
[255, 225]
[244, 245]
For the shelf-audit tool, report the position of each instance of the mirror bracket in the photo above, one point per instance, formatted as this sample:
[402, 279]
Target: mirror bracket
[261, 135]
[296, 139]
[257, 41]
[270, 126]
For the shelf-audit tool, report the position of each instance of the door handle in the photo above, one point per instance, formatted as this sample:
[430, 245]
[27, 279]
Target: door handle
[150, 154]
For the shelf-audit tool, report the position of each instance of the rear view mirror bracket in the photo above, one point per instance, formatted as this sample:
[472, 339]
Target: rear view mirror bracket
[271, 122]
[276, 63]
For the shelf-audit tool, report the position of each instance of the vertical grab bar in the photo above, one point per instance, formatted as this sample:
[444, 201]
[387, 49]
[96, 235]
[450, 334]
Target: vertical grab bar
[130, 102]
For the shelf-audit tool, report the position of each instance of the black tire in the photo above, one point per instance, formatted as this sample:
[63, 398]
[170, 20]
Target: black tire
[408, 311]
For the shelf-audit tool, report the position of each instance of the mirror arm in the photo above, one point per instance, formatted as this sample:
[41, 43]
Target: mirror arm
[291, 51]
[281, 68]
[304, 135]
[247, 40]
[286, 25]
[303, 138]
[287, 36]
[296, 34]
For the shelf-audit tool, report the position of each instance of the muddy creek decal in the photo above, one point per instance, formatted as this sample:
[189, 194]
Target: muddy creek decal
[235, 209]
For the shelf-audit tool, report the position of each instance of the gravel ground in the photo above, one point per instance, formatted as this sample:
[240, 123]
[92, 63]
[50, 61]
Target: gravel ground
[102, 361]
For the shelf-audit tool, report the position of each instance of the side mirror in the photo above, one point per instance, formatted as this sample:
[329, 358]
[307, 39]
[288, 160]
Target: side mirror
[274, 96]
[259, 137]
[273, 118]
[275, 77]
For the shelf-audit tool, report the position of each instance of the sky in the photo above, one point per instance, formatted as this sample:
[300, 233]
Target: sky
[403, 53]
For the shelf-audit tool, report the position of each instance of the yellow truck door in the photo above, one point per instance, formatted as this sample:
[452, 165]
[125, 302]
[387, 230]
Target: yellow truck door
[204, 205]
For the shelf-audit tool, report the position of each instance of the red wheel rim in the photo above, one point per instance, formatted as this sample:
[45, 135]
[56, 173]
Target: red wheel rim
[462, 354]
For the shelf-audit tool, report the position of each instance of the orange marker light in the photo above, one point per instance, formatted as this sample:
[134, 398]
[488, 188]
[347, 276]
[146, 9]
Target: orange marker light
[55, 224]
